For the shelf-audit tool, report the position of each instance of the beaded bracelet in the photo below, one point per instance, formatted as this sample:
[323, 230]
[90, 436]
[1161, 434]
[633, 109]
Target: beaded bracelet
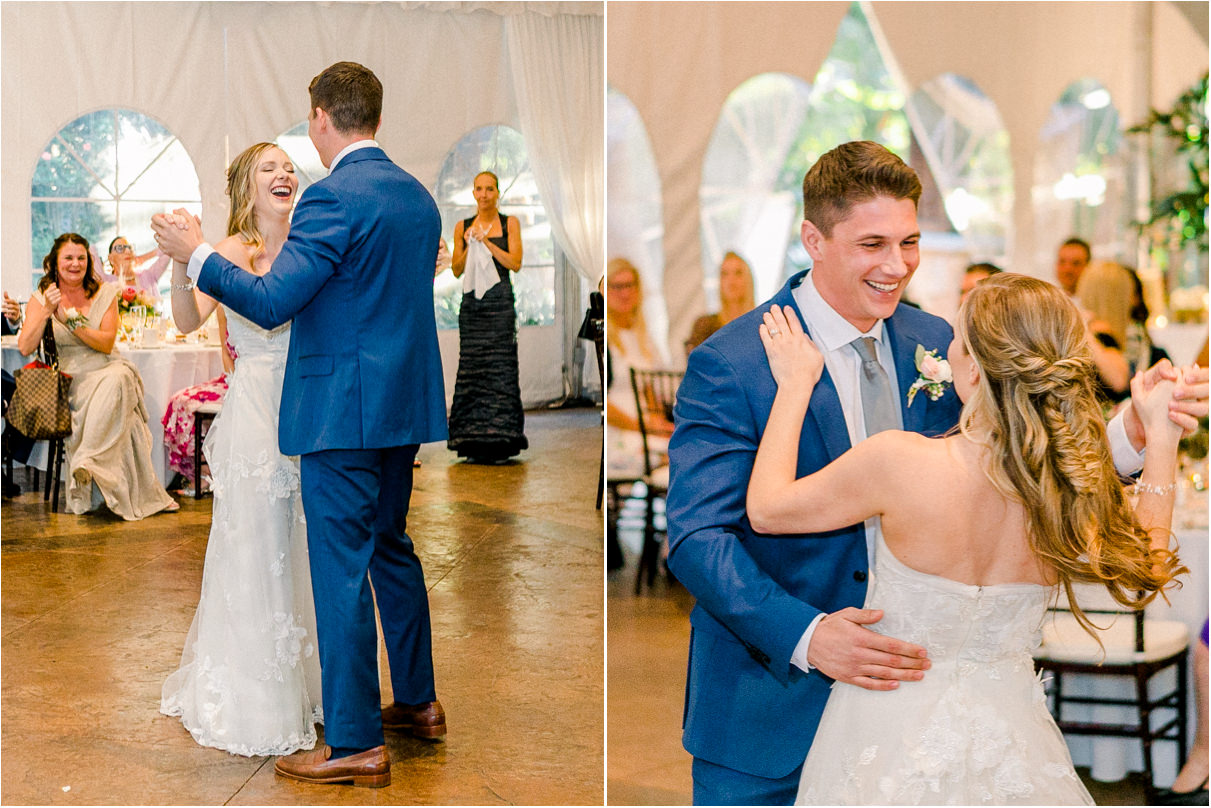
[184, 287]
[1160, 490]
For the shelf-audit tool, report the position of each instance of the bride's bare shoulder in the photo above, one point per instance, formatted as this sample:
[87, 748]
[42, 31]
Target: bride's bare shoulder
[236, 251]
[895, 441]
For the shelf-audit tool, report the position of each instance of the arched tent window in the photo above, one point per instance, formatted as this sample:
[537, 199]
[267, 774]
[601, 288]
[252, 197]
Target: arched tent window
[501, 150]
[771, 130]
[106, 174]
[636, 221]
[1080, 175]
[308, 167]
[964, 142]
[745, 202]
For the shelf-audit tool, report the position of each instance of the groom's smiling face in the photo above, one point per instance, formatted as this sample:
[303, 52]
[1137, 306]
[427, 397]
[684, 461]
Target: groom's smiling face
[863, 266]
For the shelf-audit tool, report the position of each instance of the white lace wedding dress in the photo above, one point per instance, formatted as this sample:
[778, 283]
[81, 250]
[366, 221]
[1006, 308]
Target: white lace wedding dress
[974, 731]
[249, 680]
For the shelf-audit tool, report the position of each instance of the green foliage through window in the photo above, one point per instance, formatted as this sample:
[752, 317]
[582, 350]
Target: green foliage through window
[104, 175]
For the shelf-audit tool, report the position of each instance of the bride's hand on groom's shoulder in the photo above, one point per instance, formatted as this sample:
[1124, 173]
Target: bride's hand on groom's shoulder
[793, 357]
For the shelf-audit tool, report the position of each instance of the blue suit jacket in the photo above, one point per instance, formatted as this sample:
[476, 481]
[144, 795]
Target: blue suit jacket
[356, 277]
[747, 708]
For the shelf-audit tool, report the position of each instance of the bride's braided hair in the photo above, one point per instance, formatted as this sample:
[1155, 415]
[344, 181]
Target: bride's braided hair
[1048, 440]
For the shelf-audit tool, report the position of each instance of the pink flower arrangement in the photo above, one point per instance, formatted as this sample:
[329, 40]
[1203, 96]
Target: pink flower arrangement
[131, 297]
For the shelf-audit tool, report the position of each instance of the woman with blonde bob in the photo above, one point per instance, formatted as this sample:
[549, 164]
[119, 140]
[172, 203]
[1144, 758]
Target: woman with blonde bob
[981, 528]
[249, 680]
[735, 298]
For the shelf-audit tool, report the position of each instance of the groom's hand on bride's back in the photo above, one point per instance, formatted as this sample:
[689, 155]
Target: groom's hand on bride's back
[844, 649]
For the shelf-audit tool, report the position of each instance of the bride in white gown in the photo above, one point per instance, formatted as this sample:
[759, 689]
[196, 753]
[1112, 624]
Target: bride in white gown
[962, 567]
[249, 680]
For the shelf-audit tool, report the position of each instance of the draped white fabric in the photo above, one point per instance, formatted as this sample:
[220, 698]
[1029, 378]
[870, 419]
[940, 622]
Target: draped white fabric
[223, 75]
[567, 147]
[1021, 55]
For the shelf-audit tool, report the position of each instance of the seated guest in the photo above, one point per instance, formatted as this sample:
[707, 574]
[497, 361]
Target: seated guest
[1070, 262]
[735, 298]
[109, 449]
[629, 347]
[973, 275]
[178, 418]
[1104, 293]
[123, 263]
[16, 443]
[1114, 295]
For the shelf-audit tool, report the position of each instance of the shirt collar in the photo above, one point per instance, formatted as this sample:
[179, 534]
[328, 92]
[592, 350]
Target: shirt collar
[828, 328]
[360, 144]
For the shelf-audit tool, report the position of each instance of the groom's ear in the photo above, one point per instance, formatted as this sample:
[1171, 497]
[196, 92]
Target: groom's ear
[812, 239]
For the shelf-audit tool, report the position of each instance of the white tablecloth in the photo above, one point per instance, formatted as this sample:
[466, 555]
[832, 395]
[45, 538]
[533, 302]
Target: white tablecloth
[1110, 759]
[165, 370]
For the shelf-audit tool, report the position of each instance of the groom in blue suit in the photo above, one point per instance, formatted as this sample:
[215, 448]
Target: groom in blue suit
[778, 618]
[363, 388]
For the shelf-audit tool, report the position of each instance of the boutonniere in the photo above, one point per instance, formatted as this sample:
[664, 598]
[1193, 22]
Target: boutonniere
[934, 375]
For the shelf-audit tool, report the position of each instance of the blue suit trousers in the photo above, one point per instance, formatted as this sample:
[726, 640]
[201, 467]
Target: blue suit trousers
[356, 502]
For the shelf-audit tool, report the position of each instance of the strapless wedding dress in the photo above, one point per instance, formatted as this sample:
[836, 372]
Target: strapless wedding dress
[974, 731]
[249, 680]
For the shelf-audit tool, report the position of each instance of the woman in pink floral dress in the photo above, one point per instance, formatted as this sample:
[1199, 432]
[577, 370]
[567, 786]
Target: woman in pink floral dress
[178, 418]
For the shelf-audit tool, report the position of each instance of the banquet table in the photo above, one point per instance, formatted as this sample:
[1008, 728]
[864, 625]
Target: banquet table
[1109, 759]
[165, 370]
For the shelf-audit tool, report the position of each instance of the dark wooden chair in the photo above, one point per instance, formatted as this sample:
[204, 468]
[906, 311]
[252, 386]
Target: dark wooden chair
[1137, 648]
[655, 393]
[203, 416]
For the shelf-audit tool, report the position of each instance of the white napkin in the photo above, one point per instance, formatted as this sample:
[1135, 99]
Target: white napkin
[480, 274]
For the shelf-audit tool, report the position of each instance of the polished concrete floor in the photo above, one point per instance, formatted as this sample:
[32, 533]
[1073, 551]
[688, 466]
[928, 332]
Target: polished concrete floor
[647, 639]
[95, 611]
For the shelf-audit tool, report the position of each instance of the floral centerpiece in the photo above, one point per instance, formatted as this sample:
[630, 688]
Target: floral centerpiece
[133, 306]
[131, 299]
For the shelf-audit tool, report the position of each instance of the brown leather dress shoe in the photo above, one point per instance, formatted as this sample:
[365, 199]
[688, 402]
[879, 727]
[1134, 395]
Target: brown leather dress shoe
[419, 720]
[371, 769]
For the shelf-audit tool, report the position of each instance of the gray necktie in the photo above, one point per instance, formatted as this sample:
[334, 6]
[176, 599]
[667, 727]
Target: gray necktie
[879, 409]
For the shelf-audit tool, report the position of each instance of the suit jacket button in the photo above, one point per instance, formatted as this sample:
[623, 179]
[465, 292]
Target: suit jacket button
[860, 576]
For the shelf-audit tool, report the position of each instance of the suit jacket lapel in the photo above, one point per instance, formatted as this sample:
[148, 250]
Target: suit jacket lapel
[904, 349]
[825, 408]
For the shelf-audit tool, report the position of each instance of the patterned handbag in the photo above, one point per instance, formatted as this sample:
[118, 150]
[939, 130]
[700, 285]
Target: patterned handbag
[39, 408]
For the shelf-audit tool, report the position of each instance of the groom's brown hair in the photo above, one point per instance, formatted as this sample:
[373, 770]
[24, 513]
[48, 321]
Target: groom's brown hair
[851, 173]
[351, 95]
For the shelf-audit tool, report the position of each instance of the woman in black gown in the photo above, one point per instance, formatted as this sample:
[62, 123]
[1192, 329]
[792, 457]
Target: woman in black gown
[486, 418]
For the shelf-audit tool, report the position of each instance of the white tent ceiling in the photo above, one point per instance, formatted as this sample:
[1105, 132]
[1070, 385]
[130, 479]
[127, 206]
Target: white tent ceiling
[678, 62]
[223, 75]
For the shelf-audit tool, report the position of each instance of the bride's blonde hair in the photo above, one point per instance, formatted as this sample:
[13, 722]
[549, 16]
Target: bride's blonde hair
[242, 219]
[1047, 440]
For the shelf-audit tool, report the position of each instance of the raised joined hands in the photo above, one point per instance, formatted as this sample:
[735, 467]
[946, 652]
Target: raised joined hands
[178, 233]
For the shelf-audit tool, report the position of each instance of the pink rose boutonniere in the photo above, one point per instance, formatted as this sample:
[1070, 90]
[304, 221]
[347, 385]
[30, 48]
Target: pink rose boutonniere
[934, 375]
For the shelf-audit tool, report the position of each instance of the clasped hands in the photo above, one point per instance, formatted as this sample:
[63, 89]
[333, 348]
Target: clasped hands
[178, 233]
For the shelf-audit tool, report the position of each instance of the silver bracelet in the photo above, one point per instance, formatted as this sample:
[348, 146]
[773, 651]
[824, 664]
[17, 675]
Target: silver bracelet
[1142, 487]
[184, 287]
